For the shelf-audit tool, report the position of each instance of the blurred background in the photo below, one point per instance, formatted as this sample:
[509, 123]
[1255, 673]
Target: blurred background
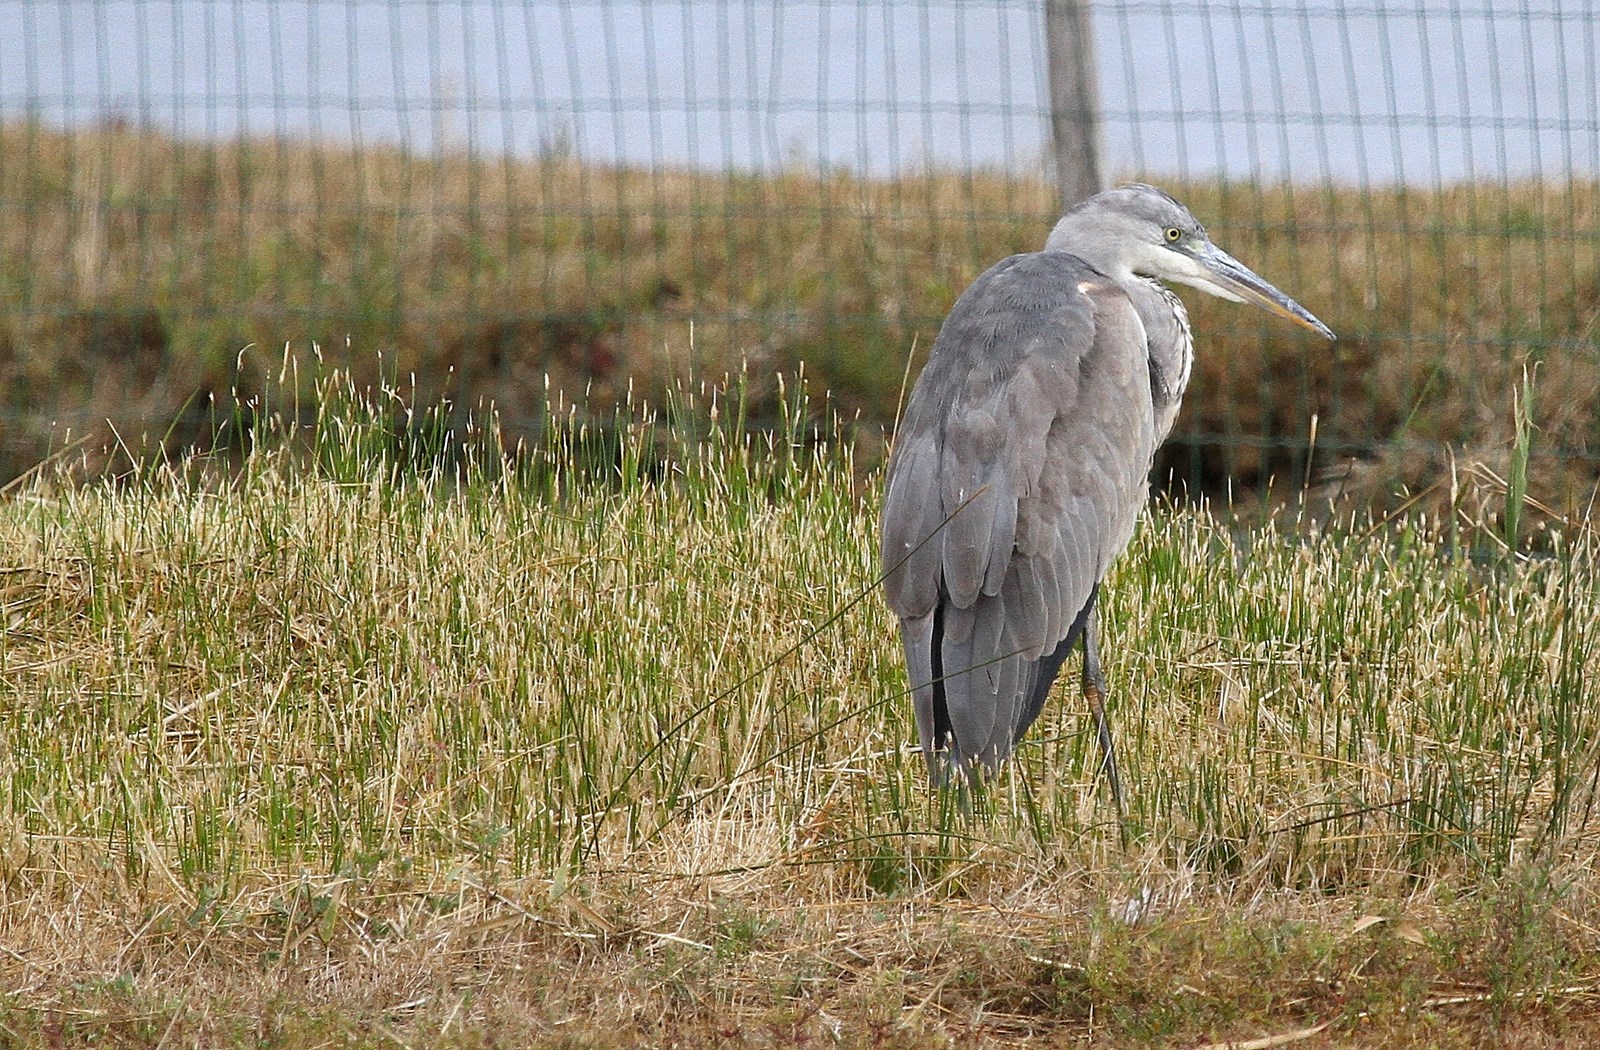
[515, 201]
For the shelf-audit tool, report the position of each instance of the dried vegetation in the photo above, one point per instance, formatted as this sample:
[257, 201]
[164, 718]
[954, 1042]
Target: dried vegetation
[360, 742]
[133, 268]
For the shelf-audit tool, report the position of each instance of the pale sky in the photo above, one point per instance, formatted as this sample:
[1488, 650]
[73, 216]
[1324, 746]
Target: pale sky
[1370, 92]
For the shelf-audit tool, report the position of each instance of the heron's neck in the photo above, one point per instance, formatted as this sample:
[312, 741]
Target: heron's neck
[1171, 346]
[1166, 322]
[1076, 235]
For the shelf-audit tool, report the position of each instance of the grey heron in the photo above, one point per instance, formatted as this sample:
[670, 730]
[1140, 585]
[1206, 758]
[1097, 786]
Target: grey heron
[1023, 459]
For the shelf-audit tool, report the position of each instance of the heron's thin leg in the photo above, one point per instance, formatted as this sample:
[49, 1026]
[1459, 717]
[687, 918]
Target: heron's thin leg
[1094, 690]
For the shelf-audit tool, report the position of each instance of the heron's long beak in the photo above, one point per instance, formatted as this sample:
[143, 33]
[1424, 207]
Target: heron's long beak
[1235, 280]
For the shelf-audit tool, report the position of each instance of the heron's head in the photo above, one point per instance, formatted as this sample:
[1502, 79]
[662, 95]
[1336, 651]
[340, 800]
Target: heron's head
[1139, 230]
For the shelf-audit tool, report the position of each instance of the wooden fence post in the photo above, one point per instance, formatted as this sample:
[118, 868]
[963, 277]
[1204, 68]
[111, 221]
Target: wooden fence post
[1074, 99]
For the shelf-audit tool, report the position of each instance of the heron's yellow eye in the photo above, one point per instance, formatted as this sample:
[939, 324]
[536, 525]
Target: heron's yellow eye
[1174, 234]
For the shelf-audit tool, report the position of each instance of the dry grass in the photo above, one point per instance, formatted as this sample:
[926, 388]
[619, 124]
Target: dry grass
[133, 267]
[367, 744]
[451, 961]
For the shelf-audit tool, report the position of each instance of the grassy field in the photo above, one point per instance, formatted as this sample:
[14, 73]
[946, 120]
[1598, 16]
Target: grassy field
[134, 266]
[368, 743]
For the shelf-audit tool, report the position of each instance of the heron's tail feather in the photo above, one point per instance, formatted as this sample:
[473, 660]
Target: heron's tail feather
[1049, 668]
[976, 692]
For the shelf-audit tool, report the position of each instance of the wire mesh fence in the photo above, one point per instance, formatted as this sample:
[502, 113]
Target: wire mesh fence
[577, 199]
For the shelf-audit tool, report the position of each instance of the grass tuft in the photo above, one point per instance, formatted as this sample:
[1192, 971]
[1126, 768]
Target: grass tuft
[392, 725]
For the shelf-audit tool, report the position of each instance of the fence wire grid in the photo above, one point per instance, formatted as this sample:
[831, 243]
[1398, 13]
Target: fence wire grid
[509, 199]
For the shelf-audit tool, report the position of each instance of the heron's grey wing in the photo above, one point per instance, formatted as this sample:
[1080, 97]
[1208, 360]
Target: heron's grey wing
[956, 429]
[914, 518]
[1024, 443]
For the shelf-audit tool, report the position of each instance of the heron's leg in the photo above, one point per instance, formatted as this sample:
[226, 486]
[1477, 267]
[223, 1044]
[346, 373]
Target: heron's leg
[1094, 690]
